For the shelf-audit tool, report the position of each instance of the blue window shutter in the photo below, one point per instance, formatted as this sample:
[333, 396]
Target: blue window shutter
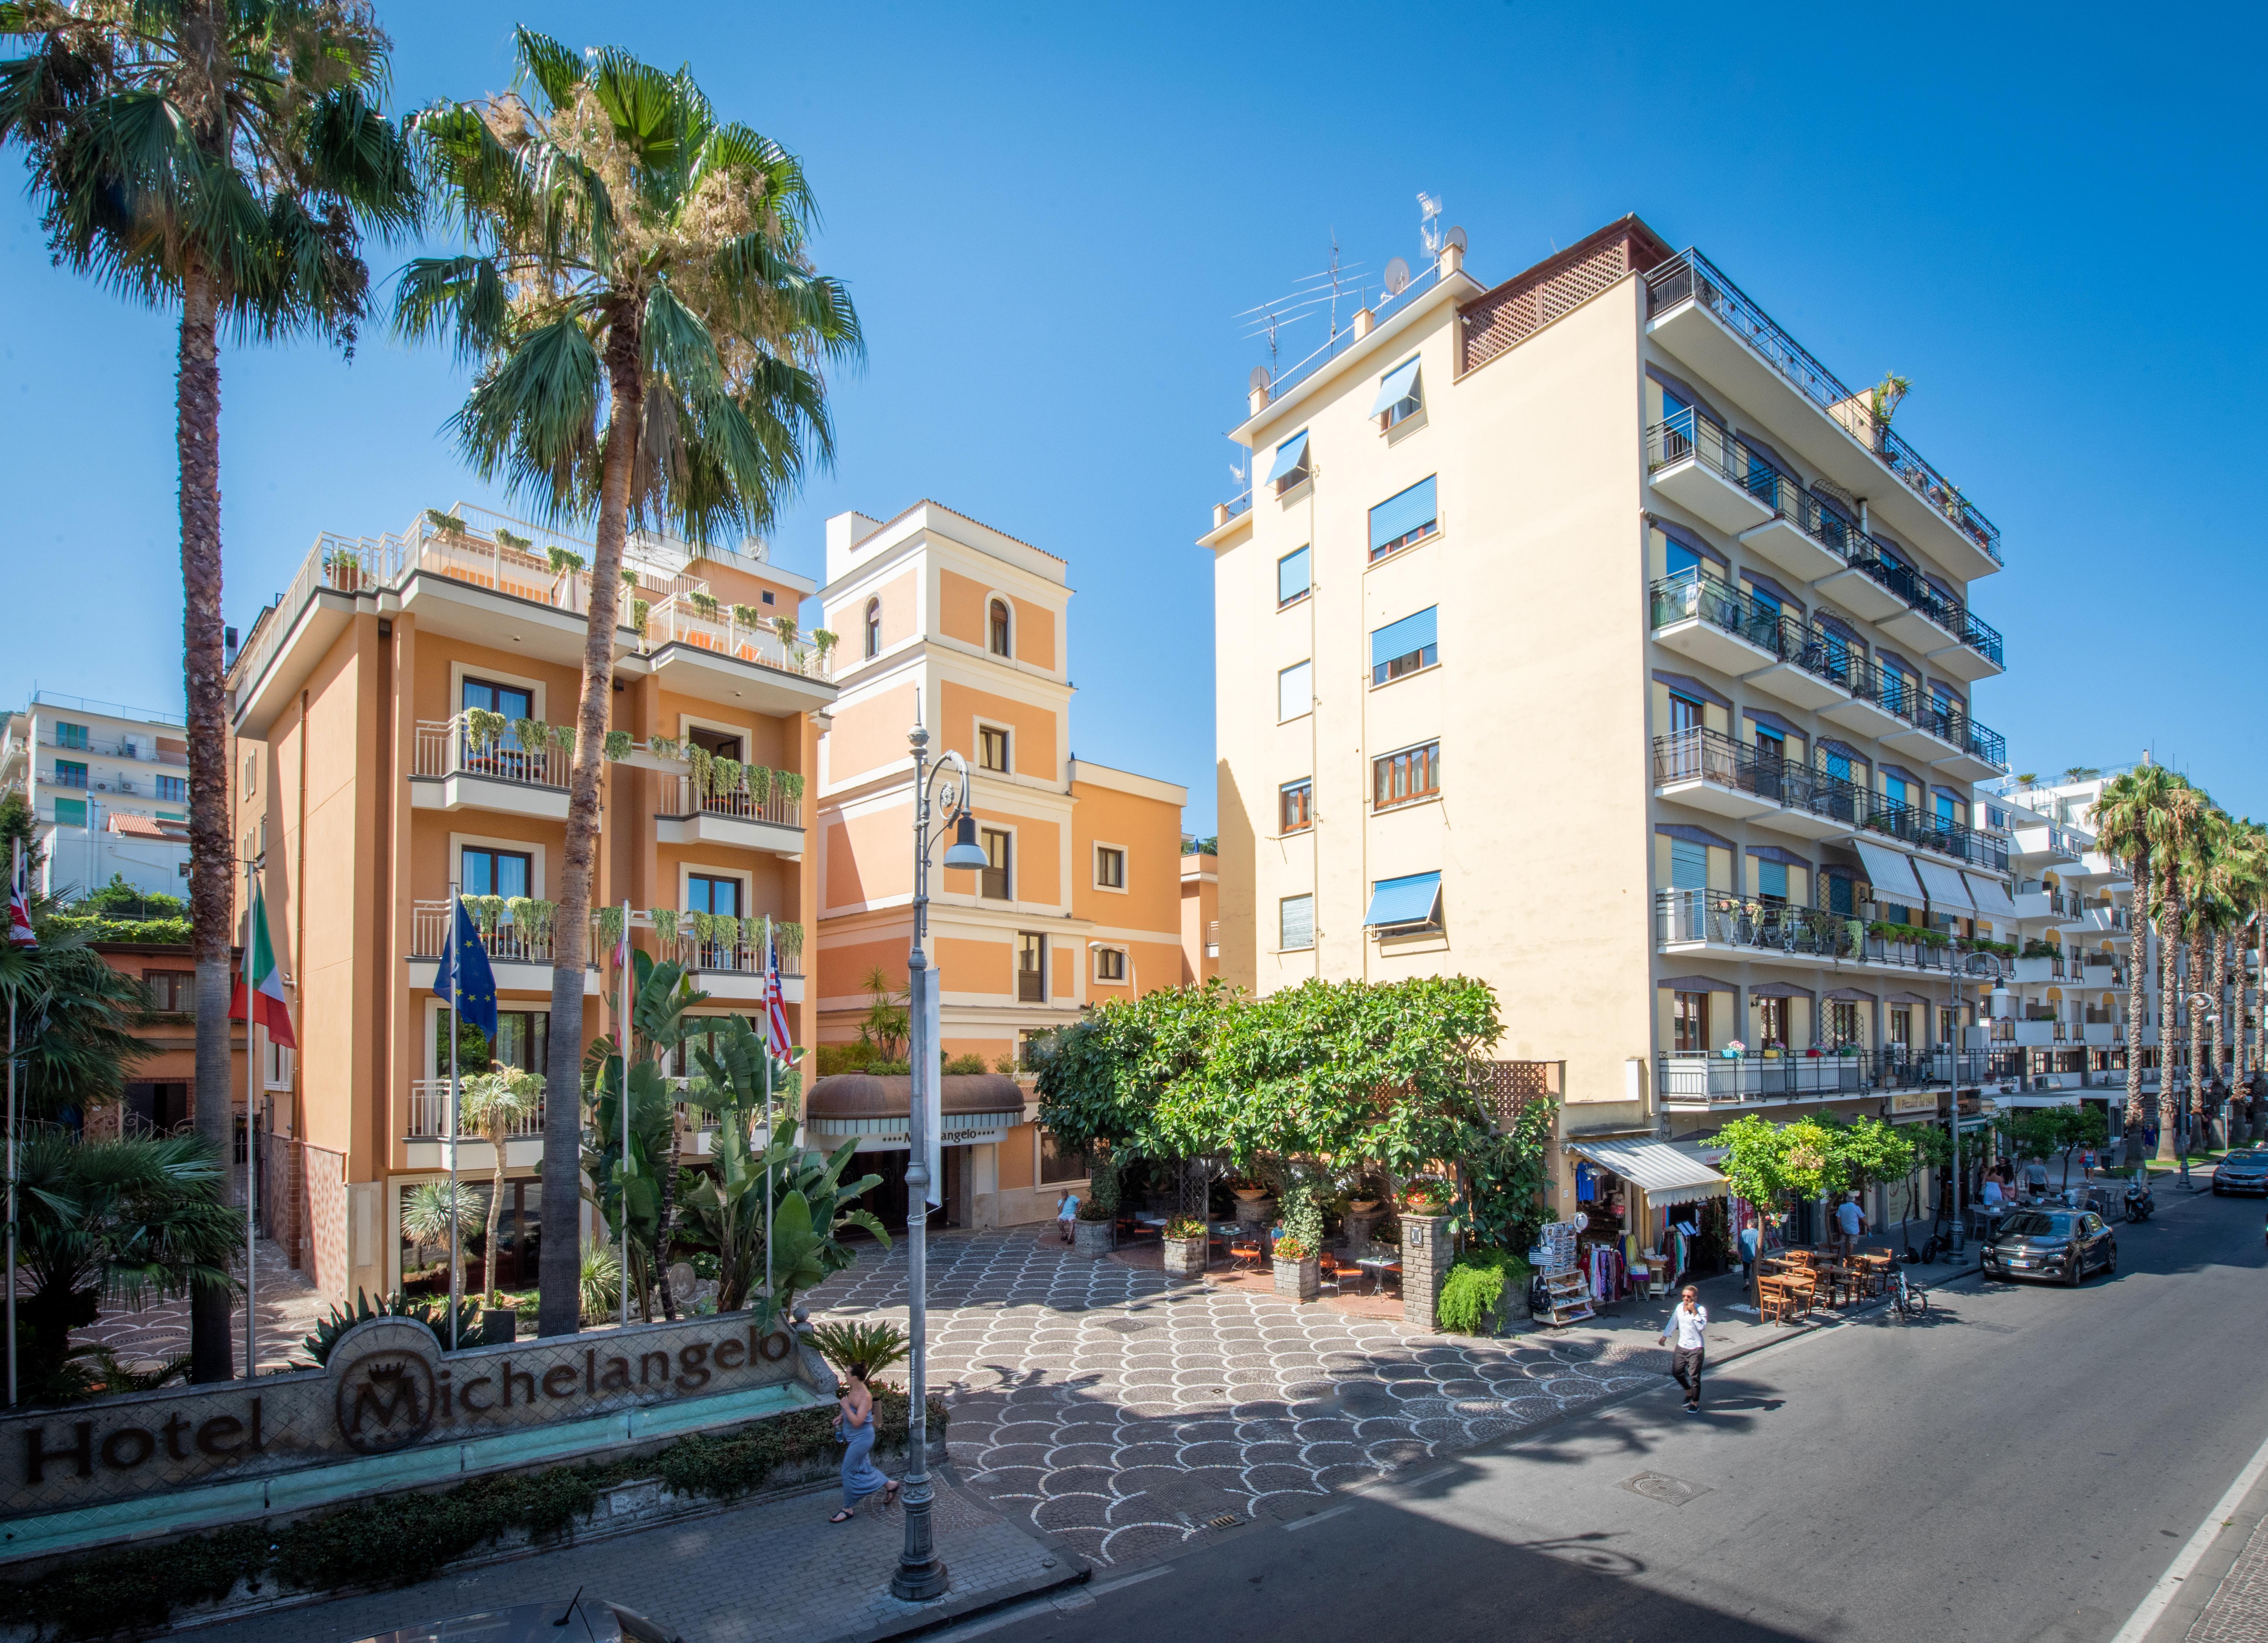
[1291, 576]
[1400, 384]
[1406, 637]
[1771, 879]
[1397, 516]
[1688, 864]
[71, 812]
[1415, 899]
[1291, 456]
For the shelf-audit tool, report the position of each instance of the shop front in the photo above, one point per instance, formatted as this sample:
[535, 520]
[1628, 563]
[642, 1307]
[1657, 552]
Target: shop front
[874, 1110]
[1650, 1213]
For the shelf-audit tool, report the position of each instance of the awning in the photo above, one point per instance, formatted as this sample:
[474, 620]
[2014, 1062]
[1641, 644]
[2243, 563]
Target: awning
[1889, 873]
[1415, 899]
[1291, 456]
[1993, 898]
[1401, 383]
[1398, 516]
[1947, 891]
[876, 1108]
[1666, 1175]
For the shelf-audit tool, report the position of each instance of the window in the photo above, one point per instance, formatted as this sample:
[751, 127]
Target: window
[1401, 520]
[1294, 691]
[71, 812]
[1109, 867]
[1401, 395]
[1946, 815]
[1059, 1163]
[1771, 879]
[70, 736]
[996, 628]
[1292, 582]
[1839, 764]
[276, 1066]
[512, 701]
[1412, 901]
[1027, 1047]
[173, 790]
[505, 873]
[1403, 647]
[1678, 559]
[1901, 1024]
[1684, 714]
[1031, 968]
[710, 893]
[1688, 864]
[993, 883]
[1772, 1021]
[172, 990]
[1110, 964]
[1842, 1021]
[768, 599]
[523, 1040]
[1689, 1023]
[992, 749]
[1840, 896]
[1894, 789]
[1290, 467]
[718, 744]
[70, 773]
[1295, 806]
[873, 627]
[1412, 773]
[1295, 923]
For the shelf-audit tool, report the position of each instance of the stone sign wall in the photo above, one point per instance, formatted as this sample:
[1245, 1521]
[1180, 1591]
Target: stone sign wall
[387, 1387]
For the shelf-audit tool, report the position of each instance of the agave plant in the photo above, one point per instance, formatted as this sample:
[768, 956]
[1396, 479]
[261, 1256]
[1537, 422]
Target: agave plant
[601, 1282]
[434, 1315]
[865, 1349]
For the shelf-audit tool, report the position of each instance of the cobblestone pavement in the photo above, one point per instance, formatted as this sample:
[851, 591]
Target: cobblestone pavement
[2238, 1612]
[1124, 1414]
[290, 1307]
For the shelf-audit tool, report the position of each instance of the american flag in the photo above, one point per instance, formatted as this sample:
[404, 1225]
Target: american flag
[775, 1029]
[20, 905]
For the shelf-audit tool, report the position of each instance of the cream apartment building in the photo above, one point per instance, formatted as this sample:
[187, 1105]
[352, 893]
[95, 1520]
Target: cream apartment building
[1585, 634]
[108, 787]
[963, 628]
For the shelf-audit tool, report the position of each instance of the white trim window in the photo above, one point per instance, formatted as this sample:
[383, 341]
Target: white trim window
[1110, 965]
[1295, 692]
[1401, 394]
[993, 752]
[1295, 923]
[1109, 867]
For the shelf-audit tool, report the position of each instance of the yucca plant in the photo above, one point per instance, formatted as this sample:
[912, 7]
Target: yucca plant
[434, 1315]
[601, 1282]
[863, 1348]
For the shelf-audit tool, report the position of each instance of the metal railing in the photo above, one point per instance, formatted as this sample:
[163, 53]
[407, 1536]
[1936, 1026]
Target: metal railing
[680, 619]
[1929, 601]
[776, 808]
[429, 936]
[1300, 371]
[1686, 434]
[427, 1117]
[1690, 275]
[147, 752]
[743, 954]
[1695, 593]
[1762, 925]
[442, 748]
[1828, 1069]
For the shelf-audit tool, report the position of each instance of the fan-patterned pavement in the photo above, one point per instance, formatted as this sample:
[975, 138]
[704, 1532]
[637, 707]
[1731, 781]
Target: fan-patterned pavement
[1125, 1414]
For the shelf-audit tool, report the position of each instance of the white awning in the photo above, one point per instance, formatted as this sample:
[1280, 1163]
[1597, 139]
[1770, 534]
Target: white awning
[1993, 898]
[1666, 1174]
[1401, 383]
[1890, 874]
[1947, 891]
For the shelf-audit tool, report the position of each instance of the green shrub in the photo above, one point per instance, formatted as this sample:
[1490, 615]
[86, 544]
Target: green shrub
[968, 1064]
[1476, 1284]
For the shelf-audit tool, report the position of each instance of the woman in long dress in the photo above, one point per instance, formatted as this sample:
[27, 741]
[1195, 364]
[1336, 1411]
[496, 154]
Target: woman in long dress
[855, 1425]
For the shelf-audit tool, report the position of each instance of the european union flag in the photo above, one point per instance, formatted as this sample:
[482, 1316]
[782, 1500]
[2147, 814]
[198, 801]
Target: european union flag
[464, 972]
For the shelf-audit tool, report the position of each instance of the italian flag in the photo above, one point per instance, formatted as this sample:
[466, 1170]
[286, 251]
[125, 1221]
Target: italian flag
[265, 980]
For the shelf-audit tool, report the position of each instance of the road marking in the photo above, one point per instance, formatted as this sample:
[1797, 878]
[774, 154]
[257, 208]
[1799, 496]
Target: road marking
[2160, 1595]
[1129, 1580]
[1317, 1517]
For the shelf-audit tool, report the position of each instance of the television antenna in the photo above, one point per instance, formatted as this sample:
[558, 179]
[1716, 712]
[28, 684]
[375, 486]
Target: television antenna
[1311, 295]
[1429, 222]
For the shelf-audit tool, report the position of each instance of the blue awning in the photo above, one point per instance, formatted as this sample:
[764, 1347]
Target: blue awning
[1407, 636]
[1291, 457]
[1397, 516]
[1401, 384]
[1415, 899]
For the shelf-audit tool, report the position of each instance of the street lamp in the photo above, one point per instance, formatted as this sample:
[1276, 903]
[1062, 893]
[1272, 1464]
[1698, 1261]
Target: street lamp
[2209, 1006]
[921, 1573]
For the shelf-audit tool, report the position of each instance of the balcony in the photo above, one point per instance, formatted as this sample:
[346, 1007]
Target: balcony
[726, 956]
[454, 769]
[1715, 624]
[1760, 929]
[2036, 844]
[1702, 317]
[699, 815]
[518, 944]
[428, 1115]
[1705, 470]
[425, 1127]
[1699, 1082]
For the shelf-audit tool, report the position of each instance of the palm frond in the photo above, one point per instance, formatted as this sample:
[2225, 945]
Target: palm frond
[534, 419]
[556, 71]
[463, 296]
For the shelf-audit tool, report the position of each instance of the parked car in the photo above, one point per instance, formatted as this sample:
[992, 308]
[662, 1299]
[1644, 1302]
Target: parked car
[2242, 1172]
[2067, 1244]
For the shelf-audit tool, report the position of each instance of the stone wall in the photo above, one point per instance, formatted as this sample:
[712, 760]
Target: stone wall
[1426, 1258]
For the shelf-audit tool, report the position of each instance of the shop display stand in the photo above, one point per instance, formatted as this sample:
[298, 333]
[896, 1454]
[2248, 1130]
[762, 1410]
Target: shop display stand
[1566, 1291]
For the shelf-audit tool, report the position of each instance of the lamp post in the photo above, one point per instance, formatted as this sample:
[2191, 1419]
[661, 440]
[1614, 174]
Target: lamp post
[921, 1573]
[2209, 1006]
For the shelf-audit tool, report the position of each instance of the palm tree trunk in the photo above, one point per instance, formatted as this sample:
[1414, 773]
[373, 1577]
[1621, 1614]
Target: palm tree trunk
[662, 1218]
[212, 856]
[2221, 940]
[559, 1307]
[2170, 924]
[2137, 1007]
[495, 1215]
[2193, 987]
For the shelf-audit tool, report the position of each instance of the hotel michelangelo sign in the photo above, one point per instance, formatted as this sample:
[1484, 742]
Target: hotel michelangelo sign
[388, 1388]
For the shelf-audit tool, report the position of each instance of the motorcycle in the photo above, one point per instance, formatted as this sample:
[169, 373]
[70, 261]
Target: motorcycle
[2139, 1204]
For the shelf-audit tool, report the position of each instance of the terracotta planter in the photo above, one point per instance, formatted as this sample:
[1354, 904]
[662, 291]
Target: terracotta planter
[1093, 1238]
[1298, 1280]
[1185, 1257]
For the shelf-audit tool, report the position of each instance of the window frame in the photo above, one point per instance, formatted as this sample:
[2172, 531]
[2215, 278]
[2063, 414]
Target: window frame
[712, 879]
[1689, 1021]
[1283, 904]
[986, 733]
[1304, 552]
[1402, 666]
[873, 627]
[181, 783]
[999, 627]
[177, 997]
[1380, 766]
[1101, 883]
[1006, 868]
[1410, 538]
[494, 852]
[1282, 676]
[1030, 943]
[71, 773]
[1103, 956]
[1304, 787]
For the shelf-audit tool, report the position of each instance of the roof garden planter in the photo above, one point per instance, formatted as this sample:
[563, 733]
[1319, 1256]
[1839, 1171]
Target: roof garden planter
[1185, 1257]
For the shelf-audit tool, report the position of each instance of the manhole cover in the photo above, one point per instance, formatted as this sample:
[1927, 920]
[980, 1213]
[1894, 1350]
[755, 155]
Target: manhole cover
[1667, 1490]
[1227, 1520]
[1991, 1329]
[1125, 1326]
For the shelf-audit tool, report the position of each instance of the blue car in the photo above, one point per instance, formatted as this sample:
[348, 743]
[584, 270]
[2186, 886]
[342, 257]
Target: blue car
[2242, 1172]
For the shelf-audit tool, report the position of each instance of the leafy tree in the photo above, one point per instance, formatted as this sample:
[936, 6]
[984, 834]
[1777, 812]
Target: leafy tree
[1933, 1152]
[1104, 1081]
[75, 1017]
[121, 900]
[115, 1222]
[2028, 1131]
[646, 330]
[225, 157]
[1776, 1166]
[2076, 1126]
[2133, 817]
[885, 1029]
[492, 1105]
[20, 826]
[1874, 1154]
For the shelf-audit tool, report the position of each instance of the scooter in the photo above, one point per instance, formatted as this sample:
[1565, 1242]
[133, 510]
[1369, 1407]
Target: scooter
[2139, 1204]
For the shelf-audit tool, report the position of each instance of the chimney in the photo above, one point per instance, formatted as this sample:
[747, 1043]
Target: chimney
[1364, 318]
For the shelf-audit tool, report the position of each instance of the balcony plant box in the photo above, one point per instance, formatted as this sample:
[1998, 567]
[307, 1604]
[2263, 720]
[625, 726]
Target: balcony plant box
[1093, 1239]
[1184, 1250]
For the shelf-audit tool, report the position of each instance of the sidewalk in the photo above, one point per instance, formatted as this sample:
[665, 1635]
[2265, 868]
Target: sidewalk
[776, 1568]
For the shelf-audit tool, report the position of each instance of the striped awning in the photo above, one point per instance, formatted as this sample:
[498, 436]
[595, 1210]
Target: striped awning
[1666, 1174]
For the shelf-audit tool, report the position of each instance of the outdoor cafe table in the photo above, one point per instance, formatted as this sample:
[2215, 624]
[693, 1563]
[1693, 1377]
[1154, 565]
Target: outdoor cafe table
[1378, 1266]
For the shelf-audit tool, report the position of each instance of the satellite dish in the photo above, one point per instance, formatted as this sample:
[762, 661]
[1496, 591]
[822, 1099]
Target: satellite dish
[1457, 238]
[1397, 277]
[1259, 380]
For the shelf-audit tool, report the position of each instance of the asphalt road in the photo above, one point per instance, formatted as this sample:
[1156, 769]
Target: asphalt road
[2022, 1467]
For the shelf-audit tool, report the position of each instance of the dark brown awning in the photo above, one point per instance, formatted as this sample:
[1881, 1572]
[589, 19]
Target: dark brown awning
[877, 1106]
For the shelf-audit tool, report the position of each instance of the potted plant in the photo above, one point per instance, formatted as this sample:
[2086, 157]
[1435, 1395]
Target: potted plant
[1097, 1227]
[1299, 1246]
[1426, 1196]
[1185, 1247]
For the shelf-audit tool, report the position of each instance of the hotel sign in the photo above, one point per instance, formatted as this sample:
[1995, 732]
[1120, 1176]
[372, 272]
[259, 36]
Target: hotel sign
[1912, 1101]
[388, 1388]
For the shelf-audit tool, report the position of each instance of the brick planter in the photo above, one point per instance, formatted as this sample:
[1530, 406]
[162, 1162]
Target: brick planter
[1298, 1280]
[1425, 1257]
[1093, 1238]
[1184, 1258]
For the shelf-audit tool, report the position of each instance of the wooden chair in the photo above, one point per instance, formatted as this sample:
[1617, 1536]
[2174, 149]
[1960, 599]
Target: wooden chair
[1775, 1297]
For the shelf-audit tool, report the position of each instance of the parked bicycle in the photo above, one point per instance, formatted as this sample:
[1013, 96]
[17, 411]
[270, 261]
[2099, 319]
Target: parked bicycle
[1911, 1298]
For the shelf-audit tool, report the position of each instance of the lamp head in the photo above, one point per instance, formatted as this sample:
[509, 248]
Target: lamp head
[965, 852]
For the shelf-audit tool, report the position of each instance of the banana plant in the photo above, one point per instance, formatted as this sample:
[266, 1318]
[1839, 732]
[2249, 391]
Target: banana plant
[643, 1186]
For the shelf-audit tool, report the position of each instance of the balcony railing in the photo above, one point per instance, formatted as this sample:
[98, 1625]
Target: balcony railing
[146, 751]
[681, 620]
[429, 935]
[1690, 275]
[428, 1118]
[1687, 433]
[1694, 593]
[443, 748]
[737, 949]
[1932, 601]
[1765, 925]
[1828, 1070]
[695, 798]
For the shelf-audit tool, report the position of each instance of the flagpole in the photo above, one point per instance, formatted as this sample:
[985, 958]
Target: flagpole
[252, 910]
[15, 876]
[767, 1107]
[456, 1261]
[622, 1033]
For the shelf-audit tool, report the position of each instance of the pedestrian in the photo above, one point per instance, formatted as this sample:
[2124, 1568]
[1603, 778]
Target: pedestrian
[1686, 1335]
[855, 1427]
[1850, 1221]
[1066, 1213]
[1747, 1242]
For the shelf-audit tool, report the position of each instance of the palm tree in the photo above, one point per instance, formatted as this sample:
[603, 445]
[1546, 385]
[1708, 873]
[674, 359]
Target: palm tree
[432, 1209]
[2207, 870]
[646, 329]
[225, 157]
[2125, 816]
[75, 1016]
[2177, 824]
[493, 1105]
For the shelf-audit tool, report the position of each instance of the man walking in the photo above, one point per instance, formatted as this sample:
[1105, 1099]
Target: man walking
[1686, 1335]
[1850, 1221]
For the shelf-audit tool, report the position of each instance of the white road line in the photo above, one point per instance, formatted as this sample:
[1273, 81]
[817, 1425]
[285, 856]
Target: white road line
[1317, 1517]
[1127, 1580]
[2170, 1584]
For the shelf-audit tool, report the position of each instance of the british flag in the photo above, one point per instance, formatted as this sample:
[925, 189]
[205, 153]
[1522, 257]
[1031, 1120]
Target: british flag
[776, 1028]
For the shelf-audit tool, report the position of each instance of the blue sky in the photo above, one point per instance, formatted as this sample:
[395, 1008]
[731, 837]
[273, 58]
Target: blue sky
[1049, 217]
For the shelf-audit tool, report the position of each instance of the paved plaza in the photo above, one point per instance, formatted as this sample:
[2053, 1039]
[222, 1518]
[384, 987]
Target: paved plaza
[1126, 1415]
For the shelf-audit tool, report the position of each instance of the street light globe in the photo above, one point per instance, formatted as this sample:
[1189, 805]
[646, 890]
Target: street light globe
[965, 852]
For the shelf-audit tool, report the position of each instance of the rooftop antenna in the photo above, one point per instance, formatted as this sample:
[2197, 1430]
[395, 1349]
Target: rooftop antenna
[1397, 278]
[1335, 271]
[1429, 222]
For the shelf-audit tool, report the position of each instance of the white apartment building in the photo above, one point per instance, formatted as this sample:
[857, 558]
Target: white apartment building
[108, 786]
[1587, 634]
